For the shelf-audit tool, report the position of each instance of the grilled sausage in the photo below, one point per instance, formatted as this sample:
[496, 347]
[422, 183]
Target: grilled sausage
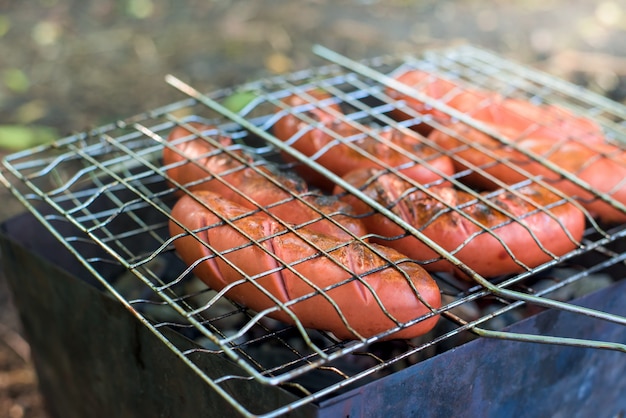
[574, 144]
[522, 229]
[195, 162]
[354, 276]
[326, 142]
[548, 121]
[436, 88]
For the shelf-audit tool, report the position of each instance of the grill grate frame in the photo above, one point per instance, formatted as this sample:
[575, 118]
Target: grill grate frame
[117, 167]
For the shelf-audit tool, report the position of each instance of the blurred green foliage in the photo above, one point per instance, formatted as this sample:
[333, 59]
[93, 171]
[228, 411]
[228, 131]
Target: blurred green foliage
[239, 100]
[16, 137]
[16, 80]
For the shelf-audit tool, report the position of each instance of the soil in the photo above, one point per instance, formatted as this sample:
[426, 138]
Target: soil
[70, 65]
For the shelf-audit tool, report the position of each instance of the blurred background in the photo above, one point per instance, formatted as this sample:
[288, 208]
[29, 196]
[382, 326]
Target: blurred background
[70, 65]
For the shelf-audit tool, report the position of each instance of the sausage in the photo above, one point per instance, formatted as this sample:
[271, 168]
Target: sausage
[352, 274]
[575, 144]
[491, 243]
[437, 88]
[341, 158]
[550, 121]
[197, 163]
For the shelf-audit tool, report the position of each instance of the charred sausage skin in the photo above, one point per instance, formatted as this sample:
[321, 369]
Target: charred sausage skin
[514, 231]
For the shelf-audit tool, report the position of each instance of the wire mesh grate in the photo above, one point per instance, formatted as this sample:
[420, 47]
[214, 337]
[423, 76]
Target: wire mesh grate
[112, 189]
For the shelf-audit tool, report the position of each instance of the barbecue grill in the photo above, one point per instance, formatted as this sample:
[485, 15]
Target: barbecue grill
[146, 336]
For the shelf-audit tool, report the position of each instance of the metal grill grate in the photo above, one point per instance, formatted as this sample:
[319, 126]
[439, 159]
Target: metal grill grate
[109, 185]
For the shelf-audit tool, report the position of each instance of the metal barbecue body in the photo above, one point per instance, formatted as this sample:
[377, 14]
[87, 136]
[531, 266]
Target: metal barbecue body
[549, 340]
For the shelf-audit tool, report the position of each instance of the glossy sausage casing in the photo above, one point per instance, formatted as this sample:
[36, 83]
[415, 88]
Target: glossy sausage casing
[573, 143]
[267, 277]
[325, 142]
[437, 88]
[196, 163]
[490, 242]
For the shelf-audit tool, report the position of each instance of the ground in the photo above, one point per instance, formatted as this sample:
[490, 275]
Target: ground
[70, 65]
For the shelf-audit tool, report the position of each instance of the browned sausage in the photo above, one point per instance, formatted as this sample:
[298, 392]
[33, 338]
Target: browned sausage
[573, 143]
[355, 276]
[538, 236]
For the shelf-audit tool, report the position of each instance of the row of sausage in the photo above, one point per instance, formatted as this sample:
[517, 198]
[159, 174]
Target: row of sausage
[273, 242]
